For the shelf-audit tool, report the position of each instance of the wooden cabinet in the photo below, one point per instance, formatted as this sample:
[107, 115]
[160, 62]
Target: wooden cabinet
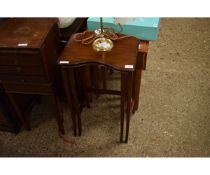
[28, 56]
[28, 50]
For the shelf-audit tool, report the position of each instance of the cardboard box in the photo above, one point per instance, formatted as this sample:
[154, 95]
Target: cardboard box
[142, 28]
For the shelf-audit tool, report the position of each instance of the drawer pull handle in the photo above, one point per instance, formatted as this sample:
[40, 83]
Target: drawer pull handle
[23, 81]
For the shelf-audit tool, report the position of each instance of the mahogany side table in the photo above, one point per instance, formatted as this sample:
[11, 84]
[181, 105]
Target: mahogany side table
[76, 59]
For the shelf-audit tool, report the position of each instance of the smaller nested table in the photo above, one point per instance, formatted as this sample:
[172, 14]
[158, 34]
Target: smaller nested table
[75, 62]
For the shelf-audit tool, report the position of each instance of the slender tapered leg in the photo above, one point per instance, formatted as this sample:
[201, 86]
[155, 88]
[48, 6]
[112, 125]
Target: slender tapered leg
[137, 79]
[95, 78]
[59, 116]
[144, 61]
[103, 76]
[18, 112]
[136, 92]
[122, 106]
[129, 83]
[86, 83]
[69, 98]
[79, 124]
[76, 102]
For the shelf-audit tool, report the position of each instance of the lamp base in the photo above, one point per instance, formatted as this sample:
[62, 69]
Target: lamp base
[102, 44]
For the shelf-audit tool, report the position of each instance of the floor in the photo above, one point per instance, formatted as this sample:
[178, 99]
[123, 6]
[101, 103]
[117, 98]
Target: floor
[173, 119]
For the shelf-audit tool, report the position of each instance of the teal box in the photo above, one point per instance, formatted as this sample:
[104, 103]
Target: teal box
[142, 28]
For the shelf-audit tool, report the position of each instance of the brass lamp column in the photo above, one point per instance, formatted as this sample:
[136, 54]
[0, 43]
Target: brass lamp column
[102, 43]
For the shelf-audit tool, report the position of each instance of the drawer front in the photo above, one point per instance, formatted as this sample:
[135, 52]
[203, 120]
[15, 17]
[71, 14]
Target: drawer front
[17, 59]
[28, 88]
[24, 70]
[22, 79]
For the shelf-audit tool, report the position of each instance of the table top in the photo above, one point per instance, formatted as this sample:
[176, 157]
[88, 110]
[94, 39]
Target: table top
[122, 56]
[24, 32]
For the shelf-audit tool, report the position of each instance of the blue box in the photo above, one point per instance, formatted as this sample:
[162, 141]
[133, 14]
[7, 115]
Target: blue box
[142, 28]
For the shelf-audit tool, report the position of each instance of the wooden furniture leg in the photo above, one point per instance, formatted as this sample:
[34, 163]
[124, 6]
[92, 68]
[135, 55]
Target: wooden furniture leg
[55, 103]
[69, 99]
[129, 102]
[95, 79]
[122, 102]
[140, 65]
[137, 80]
[126, 100]
[18, 112]
[77, 107]
[86, 83]
[59, 116]
[103, 76]
[136, 90]
[144, 61]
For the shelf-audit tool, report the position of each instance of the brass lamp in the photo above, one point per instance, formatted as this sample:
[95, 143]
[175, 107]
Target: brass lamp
[102, 43]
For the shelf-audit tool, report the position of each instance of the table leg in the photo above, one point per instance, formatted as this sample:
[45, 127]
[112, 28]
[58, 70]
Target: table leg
[129, 83]
[86, 83]
[103, 76]
[18, 112]
[122, 105]
[126, 100]
[59, 116]
[95, 78]
[144, 61]
[137, 79]
[136, 92]
[69, 98]
[77, 105]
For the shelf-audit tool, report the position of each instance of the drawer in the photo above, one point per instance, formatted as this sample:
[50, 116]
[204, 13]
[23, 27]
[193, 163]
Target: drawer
[24, 70]
[20, 59]
[29, 88]
[22, 79]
